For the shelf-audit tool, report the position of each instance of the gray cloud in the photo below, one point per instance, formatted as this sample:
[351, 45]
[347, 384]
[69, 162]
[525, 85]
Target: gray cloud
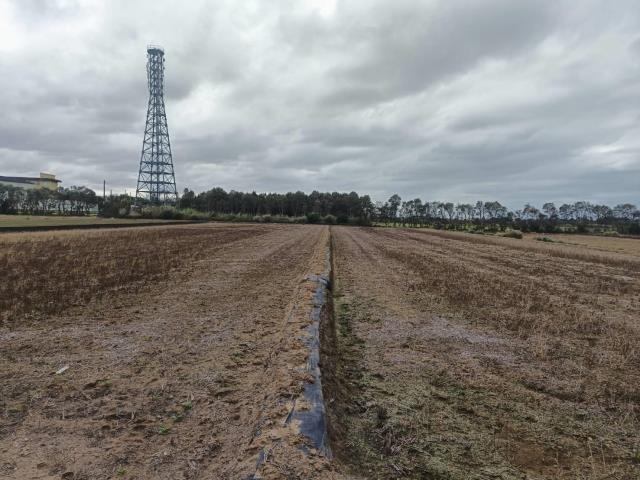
[517, 101]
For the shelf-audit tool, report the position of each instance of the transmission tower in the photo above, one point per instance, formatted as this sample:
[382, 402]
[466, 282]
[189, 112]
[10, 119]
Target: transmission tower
[156, 180]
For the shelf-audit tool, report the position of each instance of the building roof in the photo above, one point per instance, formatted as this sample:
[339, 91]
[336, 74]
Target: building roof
[28, 179]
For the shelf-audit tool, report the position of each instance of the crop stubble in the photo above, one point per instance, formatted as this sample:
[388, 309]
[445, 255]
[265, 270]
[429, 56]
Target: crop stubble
[185, 377]
[449, 355]
[461, 356]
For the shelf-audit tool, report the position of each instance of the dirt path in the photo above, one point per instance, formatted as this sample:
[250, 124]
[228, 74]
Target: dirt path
[464, 358]
[188, 378]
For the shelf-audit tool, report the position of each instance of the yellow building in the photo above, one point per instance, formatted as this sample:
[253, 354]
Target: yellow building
[45, 180]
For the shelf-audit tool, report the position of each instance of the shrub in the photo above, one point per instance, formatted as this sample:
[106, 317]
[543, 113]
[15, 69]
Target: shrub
[313, 217]
[329, 219]
[170, 213]
[512, 234]
[192, 214]
[360, 221]
[281, 219]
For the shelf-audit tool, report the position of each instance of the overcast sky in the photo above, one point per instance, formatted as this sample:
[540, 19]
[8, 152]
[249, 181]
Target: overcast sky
[510, 100]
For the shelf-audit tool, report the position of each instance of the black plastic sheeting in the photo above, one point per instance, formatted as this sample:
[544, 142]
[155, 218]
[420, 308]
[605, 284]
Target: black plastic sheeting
[312, 421]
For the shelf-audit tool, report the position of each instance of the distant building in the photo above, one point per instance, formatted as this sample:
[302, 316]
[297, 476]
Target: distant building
[45, 180]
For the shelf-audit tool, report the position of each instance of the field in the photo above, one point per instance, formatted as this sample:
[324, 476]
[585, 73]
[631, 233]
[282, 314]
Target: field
[183, 352]
[596, 242]
[31, 221]
[460, 356]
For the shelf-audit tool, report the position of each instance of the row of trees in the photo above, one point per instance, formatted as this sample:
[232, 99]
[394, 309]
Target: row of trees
[293, 204]
[345, 207]
[349, 206]
[39, 201]
[395, 209]
[549, 217]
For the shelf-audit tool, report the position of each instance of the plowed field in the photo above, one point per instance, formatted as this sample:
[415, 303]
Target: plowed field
[183, 352]
[187, 375]
[465, 357]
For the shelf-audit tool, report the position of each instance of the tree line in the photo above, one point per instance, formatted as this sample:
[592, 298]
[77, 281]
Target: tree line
[345, 207]
[336, 207]
[624, 217]
[354, 208]
[41, 201]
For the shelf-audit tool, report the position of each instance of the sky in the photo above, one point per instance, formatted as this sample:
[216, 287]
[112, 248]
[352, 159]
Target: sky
[449, 100]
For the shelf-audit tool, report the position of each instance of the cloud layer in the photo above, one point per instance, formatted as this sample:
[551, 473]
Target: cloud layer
[452, 100]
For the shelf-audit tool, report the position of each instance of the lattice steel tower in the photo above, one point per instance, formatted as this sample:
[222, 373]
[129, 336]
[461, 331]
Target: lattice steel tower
[156, 180]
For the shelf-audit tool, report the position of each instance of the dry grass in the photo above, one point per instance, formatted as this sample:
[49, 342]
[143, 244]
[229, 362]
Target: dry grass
[606, 255]
[472, 357]
[21, 221]
[625, 245]
[44, 273]
[561, 304]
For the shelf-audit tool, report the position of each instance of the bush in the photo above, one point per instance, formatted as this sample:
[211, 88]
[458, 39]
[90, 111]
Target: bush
[262, 218]
[512, 234]
[231, 217]
[165, 213]
[329, 219]
[170, 213]
[192, 214]
[313, 217]
[342, 219]
[360, 221]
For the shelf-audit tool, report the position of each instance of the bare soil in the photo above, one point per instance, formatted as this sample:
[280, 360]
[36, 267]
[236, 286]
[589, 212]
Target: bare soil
[180, 352]
[462, 357]
[628, 245]
[186, 374]
[26, 221]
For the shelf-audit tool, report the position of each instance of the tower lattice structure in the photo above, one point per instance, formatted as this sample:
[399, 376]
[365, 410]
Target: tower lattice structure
[156, 179]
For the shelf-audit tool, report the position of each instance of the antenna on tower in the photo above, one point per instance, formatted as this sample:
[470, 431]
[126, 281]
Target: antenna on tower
[156, 179]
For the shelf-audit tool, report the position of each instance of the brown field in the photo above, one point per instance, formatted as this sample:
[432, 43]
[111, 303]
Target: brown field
[448, 356]
[22, 221]
[181, 376]
[630, 246]
[457, 356]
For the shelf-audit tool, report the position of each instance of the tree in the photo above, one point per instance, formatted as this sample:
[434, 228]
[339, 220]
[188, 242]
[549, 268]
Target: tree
[393, 203]
[550, 210]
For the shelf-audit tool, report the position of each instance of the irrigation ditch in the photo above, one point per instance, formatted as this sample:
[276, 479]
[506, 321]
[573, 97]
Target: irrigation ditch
[341, 354]
[332, 393]
[317, 419]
